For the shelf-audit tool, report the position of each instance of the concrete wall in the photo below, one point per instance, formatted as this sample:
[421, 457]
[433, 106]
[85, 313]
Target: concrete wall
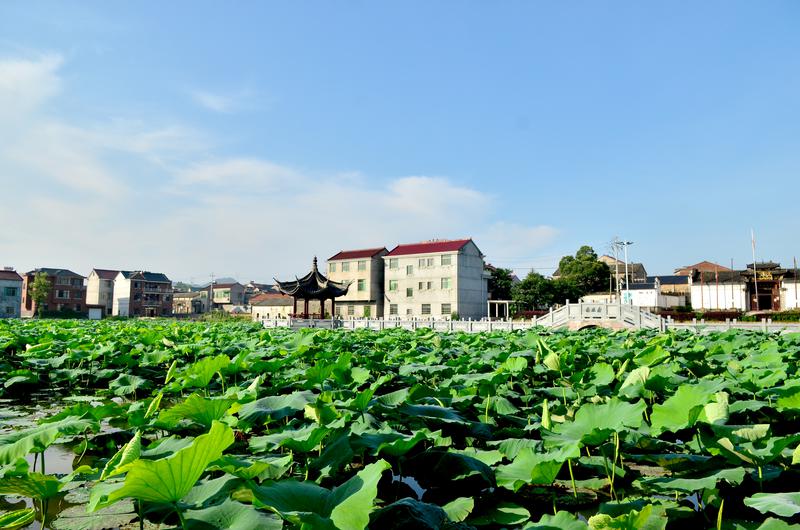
[727, 296]
[10, 304]
[261, 312]
[121, 304]
[790, 294]
[472, 283]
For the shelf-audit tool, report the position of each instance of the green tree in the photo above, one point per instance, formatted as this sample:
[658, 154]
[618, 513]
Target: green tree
[585, 271]
[533, 292]
[500, 284]
[40, 288]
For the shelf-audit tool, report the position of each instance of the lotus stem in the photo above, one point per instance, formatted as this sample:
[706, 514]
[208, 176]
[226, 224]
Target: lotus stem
[719, 514]
[572, 478]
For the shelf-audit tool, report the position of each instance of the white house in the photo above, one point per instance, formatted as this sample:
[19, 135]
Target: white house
[365, 269]
[436, 279]
[763, 287]
[100, 288]
[10, 293]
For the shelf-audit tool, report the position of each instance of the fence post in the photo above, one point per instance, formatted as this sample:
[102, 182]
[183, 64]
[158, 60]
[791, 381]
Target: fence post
[764, 324]
[728, 323]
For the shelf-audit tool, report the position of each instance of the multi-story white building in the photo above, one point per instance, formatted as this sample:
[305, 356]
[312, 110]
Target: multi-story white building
[365, 269]
[142, 294]
[436, 279]
[100, 288]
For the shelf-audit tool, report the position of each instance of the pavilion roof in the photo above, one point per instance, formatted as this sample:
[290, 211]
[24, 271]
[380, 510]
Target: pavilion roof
[313, 286]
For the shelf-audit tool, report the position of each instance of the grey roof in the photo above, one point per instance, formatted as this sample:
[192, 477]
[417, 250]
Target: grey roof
[670, 279]
[55, 272]
[146, 276]
[190, 294]
[634, 286]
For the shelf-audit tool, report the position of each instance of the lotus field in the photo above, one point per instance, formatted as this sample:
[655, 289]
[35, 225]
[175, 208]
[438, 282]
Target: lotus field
[164, 424]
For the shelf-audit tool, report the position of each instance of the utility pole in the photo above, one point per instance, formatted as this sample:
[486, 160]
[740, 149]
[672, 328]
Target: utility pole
[625, 245]
[211, 294]
[796, 279]
[615, 246]
[755, 272]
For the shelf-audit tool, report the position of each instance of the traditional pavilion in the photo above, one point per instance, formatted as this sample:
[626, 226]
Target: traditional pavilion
[314, 286]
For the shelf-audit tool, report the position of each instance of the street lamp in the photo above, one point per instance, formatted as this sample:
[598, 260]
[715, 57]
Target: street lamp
[625, 245]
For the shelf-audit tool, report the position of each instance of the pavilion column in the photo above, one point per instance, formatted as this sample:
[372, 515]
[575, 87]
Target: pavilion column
[333, 307]
[321, 308]
[305, 307]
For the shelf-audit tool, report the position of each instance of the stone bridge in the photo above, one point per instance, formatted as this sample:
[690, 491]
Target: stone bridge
[600, 315]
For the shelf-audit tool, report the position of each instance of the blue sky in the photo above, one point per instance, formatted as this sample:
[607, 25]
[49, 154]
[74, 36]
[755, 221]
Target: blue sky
[241, 139]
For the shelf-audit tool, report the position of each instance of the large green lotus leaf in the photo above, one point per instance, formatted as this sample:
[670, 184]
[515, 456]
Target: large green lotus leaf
[303, 440]
[645, 519]
[594, 423]
[232, 515]
[275, 407]
[77, 518]
[199, 374]
[17, 444]
[168, 479]
[534, 468]
[683, 408]
[210, 490]
[651, 356]
[459, 509]
[759, 453]
[346, 507]
[391, 443]
[633, 386]
[127, 384]
[197, 409]
[560, 521]
[716, 412]
[783, 504]
[33, 485]
[733, 476]
[409, 514]
[263, 468]
[17, 518]
[504, 514]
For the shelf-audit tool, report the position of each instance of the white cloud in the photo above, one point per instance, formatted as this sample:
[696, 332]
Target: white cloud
[136, 195]
[222, 102]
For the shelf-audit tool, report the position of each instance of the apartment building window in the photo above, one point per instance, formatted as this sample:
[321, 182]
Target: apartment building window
[426, 309]
[77, 307]
[409, 270]
[392, 285]
[62, 281]
[9, 310]
[446, 283]
[409, 312]
[392, 309]
[135, 285]
[10, 291]
[346, 266]
[351, 310]
[421, 285]
[393, 263]
[331, 267]
[447, 259]
[362, 285]
[429, 285]
[421, 262]
[77, 294]
[77, 282]
[425, 262]
[409, 292]
[62, 294]
[362, 265]
[446, 309]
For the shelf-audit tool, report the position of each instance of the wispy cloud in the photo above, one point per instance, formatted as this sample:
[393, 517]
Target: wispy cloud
[223, 102]
[160, 197]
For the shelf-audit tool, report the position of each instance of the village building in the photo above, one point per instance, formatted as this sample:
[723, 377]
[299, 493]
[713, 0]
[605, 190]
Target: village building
[436, 279]
[636, 271]
[142, 294]
[703, 266]
[10, 293]
[100, 289]
[190, 303]
[656, 294]
[227, 295]
[365, 270]
[271, 305]
[760, 287]
[253, 288]
[67, 291]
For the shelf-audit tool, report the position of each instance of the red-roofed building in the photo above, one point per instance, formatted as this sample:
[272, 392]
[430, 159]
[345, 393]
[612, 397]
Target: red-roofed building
[436, 279]
[271, 305]
[364, 268]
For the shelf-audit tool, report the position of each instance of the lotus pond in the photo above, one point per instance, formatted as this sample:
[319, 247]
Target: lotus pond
[164, 424]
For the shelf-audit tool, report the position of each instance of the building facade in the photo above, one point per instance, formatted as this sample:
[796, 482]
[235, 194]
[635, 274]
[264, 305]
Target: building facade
[67, 291]
[227, 294]
[10, 293]
[142, 294]
[190, 303]
[271, 305]
[365, 270]
[436, 279]
[763, 287]
[100, 288]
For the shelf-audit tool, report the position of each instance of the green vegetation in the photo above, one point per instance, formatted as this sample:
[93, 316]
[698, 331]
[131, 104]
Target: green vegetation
[227, 425]
[40, 289]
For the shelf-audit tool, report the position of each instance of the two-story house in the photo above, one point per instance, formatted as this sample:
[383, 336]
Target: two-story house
[436, 279]
[227, 294]
[67, 291]
[10, 293]
[364, 268]
[142, 294]
[100, 288]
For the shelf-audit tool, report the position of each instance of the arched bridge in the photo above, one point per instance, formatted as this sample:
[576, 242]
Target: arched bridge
[601, 315]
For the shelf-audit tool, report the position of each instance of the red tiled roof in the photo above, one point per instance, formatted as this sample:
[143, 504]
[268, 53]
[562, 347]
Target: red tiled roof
[429, 247]
[10, 275]
[703, 266]
[268, 296]
[106, 274]
[353, 254]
